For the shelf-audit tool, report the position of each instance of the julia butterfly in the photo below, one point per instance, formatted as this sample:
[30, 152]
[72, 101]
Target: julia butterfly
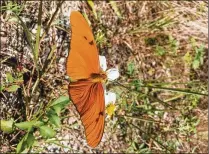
[86, 89]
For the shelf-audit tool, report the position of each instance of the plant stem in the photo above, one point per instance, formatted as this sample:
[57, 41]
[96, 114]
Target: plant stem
[36, 49]
[175, 90]
[52, 18]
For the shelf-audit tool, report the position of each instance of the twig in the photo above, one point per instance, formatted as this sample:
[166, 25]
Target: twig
[52, 18]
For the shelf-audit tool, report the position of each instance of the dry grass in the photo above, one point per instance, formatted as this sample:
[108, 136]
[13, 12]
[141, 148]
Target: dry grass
[155, 41]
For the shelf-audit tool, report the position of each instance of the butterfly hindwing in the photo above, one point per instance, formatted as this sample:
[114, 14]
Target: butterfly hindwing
[88, 97]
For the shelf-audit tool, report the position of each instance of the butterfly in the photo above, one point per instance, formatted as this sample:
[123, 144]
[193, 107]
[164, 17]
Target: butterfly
[86, 89]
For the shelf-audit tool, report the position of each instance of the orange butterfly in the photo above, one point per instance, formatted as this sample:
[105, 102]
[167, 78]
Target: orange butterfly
[86, 90]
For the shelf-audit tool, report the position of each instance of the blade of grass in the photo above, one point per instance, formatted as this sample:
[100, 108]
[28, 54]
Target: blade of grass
[36, 49]
[153, 25]
[86, 17]
[91, 4]
[174, 98]
[176, 90]
[63, 29]
[115, 8]
[27, 33]
[194, 82]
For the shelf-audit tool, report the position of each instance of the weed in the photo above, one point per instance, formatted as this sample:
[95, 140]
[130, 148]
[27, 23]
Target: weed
[130, 68]
[198, 59]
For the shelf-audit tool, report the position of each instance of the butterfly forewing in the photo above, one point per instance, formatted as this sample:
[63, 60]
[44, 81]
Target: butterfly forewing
[83, 59]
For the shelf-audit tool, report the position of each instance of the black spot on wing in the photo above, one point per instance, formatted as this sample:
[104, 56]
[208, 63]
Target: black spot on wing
[100, 114]
[85, 37]
[91, 43]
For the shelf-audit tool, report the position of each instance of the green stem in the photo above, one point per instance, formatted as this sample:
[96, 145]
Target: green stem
[36, 49]
[176, 90]
[35, 85]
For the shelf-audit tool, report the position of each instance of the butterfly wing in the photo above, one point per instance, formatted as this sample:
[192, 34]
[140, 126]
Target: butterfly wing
[83, 59]
[88, 98]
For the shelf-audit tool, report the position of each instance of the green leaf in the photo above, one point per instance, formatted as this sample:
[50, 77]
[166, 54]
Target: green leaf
[21, 146]
[30, 140]
[7, 126]
[38, 124]
[47, 132]
[60, 103]
[137, 84]
[2, 87]
[12, 88]
[9, 78]
[130, 69]
[25, 125]
[61, 100]
[26, 142]
[174, 44]
[195, 64]
[19, 78]
[159, 50]
[57, 109]
[187, 58]
[198, 59]
[28, 124]
[193, 42]
[54, 119]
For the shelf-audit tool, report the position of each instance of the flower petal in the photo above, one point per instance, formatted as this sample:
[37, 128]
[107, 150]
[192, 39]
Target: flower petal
[103, 62]
[112, 74]
[110, 97]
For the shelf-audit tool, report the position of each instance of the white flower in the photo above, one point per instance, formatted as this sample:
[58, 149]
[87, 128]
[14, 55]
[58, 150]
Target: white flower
[112, 74]
[110, 97]
[103, 63]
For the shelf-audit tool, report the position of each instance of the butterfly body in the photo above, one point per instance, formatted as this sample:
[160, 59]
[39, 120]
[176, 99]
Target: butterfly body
[86, 92]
